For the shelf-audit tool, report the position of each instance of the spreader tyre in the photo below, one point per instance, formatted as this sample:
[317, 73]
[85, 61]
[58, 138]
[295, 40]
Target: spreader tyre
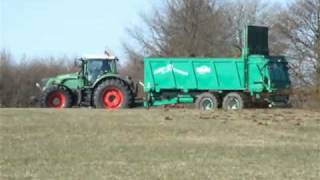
[56, 97]
[206, 102]
[113, 94]
[233, 101]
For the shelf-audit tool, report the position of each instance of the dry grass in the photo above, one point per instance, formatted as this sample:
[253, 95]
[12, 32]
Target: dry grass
[159, 144]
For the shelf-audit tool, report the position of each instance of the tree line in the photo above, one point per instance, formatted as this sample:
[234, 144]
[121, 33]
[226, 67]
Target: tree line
[201, 28]
[18, 78]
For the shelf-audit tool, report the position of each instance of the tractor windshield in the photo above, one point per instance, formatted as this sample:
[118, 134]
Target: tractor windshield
[96, 68]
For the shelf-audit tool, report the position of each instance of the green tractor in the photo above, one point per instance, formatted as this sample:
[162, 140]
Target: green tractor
[97, 84]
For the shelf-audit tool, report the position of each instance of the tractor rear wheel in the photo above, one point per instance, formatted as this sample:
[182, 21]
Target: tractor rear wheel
[233, 101]
[206, 102]
[56, 97]
[113, 94]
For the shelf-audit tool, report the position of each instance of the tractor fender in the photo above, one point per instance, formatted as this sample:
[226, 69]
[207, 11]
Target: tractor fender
[61, 86]
[110, 76]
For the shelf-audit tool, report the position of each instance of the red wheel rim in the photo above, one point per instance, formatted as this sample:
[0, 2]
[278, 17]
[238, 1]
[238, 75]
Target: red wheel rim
[56, 100]
[113, 98]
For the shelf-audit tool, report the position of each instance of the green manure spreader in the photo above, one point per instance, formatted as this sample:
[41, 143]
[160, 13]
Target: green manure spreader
[255, 78]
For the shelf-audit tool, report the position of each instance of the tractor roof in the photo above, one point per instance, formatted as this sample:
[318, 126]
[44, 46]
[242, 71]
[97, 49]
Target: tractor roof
[98, 56]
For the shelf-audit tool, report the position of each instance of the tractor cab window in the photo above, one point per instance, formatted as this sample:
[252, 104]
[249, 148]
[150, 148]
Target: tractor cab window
[96, 68]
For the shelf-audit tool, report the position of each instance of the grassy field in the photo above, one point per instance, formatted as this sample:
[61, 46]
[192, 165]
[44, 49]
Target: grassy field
[159, 144]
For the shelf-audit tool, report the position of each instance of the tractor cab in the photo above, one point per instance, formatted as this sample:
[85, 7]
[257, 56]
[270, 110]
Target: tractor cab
[94, 66]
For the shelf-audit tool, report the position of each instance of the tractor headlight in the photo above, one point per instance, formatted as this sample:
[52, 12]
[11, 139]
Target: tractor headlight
[38, 85]
[42, 84]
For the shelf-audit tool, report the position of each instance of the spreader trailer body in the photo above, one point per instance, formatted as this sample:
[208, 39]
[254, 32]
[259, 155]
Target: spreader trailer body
[233, 83]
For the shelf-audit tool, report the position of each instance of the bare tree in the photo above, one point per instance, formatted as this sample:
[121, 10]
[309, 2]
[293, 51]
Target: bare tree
[183, 28]
[18, 78]
[241, 13]
[202, 27]
[6, 77]
[300, 25]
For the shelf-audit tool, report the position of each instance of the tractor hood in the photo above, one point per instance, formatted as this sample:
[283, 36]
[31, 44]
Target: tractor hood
[67, 76]
[61, 78]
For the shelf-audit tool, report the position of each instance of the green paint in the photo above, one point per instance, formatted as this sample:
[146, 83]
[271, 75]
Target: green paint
[255, 72]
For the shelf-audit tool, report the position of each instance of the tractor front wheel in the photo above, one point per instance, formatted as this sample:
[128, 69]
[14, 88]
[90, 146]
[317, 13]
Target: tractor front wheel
[55, 97]
[113, 94]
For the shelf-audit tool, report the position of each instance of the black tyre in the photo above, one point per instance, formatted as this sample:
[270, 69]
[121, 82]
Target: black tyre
[56, 97]
[113, 94]
[233, 101]
[206, 102]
